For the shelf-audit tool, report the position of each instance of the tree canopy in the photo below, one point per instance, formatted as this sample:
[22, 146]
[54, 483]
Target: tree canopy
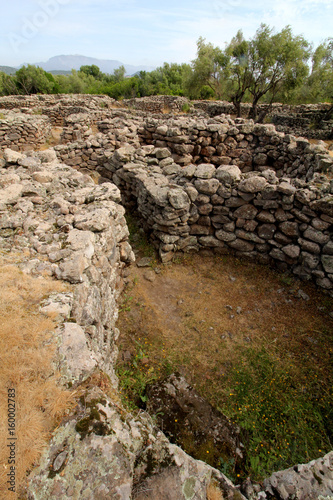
[269, 67]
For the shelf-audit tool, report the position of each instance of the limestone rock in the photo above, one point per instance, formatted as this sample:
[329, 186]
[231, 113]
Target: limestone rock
[12, 157]
[96, 220]
[303, 482]
[76, 359]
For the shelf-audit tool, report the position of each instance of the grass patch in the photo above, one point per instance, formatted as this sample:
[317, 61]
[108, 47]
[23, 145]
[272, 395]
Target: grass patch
[186, 108]
[232, 327]
[137, 374]
[27, 350]
[286, 409]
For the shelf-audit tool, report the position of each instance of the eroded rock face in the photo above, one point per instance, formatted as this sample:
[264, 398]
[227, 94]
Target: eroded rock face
[302, 482]
[190, 421]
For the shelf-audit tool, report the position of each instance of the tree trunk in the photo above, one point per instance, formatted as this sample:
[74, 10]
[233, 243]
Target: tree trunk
[237, 103]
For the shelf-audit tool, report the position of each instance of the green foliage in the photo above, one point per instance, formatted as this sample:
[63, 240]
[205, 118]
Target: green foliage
[207, 71]
[92, 70]
[33, 80]
[135, 377]
[265, 66]
[287, 422]
[270, 67]
[320, 83]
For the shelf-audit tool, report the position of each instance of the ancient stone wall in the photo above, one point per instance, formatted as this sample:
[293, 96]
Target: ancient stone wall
[74, 230]
[223, 141]
[19, 131]
[91, 150]
[157, 103]
[304, 120]
[281, 221]
[57, 107]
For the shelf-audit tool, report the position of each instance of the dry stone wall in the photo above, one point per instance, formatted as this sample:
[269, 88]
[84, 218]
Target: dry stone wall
[73, 230]
[157, 104]
[63, 225]
[256, 215]
[94, 149]
[223, 141]
[308, 120]
[57, 107]
[19, 131]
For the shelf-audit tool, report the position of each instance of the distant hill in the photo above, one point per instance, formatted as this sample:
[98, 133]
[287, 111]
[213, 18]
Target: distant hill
[8, 70]
[67, 63]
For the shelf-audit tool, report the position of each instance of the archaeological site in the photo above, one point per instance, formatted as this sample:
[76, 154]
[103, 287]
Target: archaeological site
[200, 183]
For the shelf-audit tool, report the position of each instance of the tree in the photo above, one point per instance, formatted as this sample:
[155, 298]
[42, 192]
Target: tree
[236, 69]
[92, 70]
[277, 63]
[207, 70]
[7, 85]
[268, 65]
[34, 80]
[321, 79]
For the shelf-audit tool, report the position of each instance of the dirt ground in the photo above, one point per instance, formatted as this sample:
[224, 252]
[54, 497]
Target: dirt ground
[198, 312]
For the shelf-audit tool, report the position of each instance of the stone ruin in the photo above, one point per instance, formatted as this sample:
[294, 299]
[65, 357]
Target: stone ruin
[199, 184]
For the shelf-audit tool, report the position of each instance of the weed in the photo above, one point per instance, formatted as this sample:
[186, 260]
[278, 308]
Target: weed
[2, 116]
[285, 279]
[135, 378]
[186, 108]
[125, 305]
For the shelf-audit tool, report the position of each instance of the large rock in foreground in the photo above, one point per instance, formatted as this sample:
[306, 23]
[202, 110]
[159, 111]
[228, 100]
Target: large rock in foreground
[103, 453]
[190, 421]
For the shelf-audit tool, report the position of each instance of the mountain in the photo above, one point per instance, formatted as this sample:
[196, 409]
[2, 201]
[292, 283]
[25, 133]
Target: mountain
[8, 70]
[67, 63]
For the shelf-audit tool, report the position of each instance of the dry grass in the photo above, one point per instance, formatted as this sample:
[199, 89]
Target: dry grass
[26, 352]
[213, 492]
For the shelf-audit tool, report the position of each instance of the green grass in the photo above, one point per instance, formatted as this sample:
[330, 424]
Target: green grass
[288, 415]
[136, 375]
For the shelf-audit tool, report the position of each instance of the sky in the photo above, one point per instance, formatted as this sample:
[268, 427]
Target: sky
[146, 32]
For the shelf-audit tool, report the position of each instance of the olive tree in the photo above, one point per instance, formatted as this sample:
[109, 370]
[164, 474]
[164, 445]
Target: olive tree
[262, 67]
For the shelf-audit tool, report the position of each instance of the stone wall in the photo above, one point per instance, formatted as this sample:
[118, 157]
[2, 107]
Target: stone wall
[74, 230]
[57, 107]
[94, 149]
[157, 103]
[63, 225]
[223, 141]
[304, 120]
[281, 221]
[19, 131]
